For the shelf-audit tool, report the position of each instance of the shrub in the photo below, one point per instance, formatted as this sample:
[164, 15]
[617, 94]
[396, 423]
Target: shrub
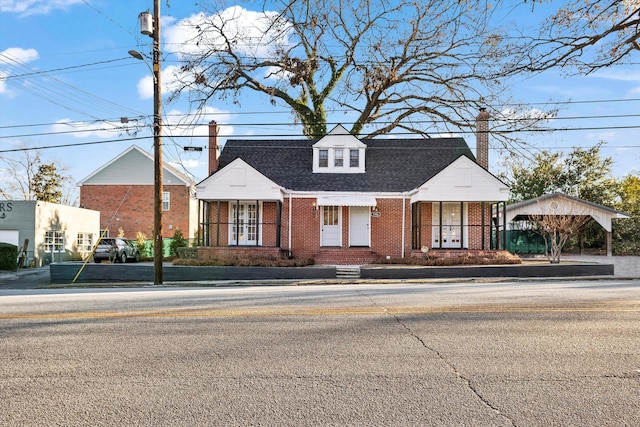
[177, 241]
[464, 258]
[8, 257]
[246, 262]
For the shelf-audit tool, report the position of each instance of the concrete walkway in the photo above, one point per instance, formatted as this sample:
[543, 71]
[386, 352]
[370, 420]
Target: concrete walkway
[623, 266]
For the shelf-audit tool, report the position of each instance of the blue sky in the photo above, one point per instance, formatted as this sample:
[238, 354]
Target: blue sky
[66, 61]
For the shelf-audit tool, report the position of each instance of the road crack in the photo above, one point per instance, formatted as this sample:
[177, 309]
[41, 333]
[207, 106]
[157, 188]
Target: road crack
[467, 381]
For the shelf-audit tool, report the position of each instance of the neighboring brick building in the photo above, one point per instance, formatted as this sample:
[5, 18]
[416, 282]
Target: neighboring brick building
[342, 200]
[122, 190]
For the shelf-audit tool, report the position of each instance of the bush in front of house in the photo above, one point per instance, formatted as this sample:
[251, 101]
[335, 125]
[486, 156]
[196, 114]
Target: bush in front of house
[435, 259]
[8, 257]
[177, 241]
[247, 262]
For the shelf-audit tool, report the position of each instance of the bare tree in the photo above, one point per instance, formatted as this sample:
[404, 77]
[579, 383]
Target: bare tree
[17, 175]
[583, 35]
[420, 66]
[25, 177]
[556, 222]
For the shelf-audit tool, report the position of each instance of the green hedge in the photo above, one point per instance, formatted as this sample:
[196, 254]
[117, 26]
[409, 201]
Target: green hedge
[8, 257]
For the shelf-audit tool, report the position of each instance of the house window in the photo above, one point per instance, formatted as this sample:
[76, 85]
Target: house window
[323, 158]
[166, 200]
[338, 158]
[354, 158]
[85, 242]
[54, 241]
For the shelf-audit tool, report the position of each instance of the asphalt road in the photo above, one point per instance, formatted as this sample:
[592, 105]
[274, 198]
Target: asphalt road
[477, 354]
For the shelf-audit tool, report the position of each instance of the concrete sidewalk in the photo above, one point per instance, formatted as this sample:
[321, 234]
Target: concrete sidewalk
[623, 266]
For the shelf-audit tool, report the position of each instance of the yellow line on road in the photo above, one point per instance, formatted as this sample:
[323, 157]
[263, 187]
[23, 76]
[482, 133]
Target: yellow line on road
[614, 307]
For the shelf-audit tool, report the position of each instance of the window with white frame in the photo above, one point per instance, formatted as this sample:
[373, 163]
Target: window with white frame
[323, 158]
[84, 242]
[53, 241]
[166, 200]
[338, 158]
[354, 158]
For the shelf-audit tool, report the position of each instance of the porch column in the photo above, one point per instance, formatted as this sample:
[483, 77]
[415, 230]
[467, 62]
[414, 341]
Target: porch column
[440, 223]
[461, 225]
[504, 225]
[200, 222]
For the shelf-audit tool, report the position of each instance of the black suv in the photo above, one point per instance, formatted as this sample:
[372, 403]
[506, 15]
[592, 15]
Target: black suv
[116, 250]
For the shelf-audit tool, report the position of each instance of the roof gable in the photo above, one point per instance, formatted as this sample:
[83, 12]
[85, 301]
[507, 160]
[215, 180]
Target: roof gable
[134, 167]
[238, 181]
[339, 137]
[462, 180]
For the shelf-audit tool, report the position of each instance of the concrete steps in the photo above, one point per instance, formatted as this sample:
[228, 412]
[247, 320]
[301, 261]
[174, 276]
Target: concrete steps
[348, 271]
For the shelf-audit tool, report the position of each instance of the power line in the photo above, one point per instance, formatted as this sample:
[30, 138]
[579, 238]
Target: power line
[70, 67]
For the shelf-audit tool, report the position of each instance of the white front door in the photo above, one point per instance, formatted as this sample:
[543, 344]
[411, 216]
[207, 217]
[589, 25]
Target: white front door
[243, 229]
[359, 221]
[330, 231]
[451, 226]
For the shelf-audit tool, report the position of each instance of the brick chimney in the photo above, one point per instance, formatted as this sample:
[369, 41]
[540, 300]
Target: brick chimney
[213, 146]
[482, 138]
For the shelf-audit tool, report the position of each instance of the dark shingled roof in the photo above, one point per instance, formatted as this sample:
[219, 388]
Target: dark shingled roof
[391, 164]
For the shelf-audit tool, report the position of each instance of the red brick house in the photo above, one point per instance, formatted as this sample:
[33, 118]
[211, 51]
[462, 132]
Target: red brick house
[342, 200]
[122, 190]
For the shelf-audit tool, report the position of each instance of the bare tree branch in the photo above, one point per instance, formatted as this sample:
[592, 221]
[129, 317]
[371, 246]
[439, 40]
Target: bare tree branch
[424, 66]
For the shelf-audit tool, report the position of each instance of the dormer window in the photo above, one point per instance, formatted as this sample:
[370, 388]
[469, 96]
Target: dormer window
[354, 158]
[323, 158]
[339, 152]
[338, 158]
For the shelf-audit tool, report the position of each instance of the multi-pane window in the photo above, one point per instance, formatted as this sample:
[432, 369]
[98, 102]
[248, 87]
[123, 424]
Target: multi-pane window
[85, 242]
[166, 201]
[331, 215]
[338, 158]
[354, 158]
[323, 158]
[54, 241]
[244, 228]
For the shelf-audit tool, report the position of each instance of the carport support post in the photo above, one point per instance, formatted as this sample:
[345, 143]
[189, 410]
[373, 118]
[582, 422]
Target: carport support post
[608, 242]
[504, 225]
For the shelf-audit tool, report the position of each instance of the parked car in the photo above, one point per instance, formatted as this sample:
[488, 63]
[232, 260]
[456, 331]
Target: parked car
[116, 250]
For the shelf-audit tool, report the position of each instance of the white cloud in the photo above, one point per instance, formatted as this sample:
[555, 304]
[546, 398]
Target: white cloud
[254, 33]
[170, 78]
[12, 57]
[625, 75]
[35, 7]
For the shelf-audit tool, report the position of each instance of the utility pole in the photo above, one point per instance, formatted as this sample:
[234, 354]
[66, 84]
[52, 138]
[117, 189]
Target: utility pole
[158, 246]
[150, 26]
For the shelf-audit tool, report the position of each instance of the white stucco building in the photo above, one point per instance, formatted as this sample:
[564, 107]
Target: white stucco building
[54, 232]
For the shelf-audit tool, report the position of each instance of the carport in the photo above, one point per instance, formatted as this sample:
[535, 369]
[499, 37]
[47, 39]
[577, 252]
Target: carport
[562, 204]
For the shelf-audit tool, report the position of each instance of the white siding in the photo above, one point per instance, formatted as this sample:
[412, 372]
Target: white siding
[238, 181]
[462, 181]
[133, 167]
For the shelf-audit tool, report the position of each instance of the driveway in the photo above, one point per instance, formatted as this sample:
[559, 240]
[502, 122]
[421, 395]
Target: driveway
[623, 266]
